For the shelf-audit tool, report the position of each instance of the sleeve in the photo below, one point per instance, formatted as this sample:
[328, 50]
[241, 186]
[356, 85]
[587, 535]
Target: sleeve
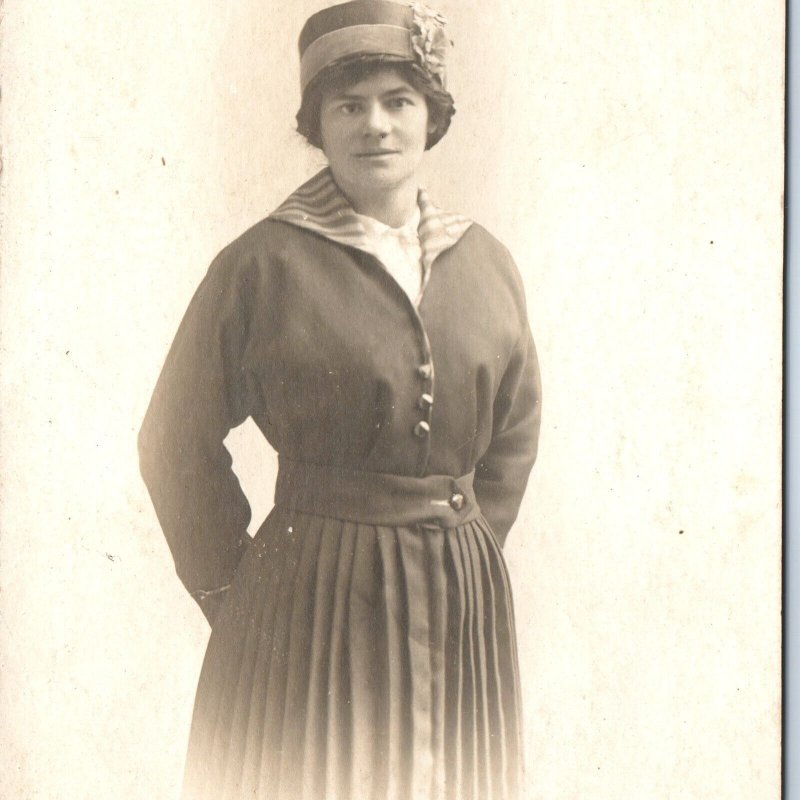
[203, 391]
[501, 474]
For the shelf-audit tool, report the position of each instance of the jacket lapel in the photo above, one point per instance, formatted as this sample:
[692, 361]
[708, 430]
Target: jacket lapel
[319, 206]
[438, 230]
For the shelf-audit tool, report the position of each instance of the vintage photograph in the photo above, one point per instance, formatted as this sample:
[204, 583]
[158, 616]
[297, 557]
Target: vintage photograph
[363, 644]
[391, 400]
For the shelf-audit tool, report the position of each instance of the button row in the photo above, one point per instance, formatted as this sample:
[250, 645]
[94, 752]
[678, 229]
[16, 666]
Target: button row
[422, 429]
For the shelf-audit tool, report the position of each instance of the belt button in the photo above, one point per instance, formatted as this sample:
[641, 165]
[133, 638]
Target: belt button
[424, 371]
[422, 429]
[457, 501]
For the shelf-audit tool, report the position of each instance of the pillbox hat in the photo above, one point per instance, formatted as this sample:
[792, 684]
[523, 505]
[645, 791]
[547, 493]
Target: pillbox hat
[402, 32]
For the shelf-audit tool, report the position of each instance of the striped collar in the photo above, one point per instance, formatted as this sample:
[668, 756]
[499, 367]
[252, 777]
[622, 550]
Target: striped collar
[319, 206]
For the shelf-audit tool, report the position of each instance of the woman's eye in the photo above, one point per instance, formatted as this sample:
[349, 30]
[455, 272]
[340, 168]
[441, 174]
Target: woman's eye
[349, 108]
[399, 102]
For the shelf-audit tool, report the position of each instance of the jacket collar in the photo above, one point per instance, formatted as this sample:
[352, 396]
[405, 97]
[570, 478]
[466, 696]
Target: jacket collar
[319, 206]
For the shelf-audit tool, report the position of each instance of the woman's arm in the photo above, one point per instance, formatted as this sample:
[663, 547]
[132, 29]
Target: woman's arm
[202, 393]
[501, 474]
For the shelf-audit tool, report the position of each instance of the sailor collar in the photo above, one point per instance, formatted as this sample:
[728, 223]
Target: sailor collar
[319, 206]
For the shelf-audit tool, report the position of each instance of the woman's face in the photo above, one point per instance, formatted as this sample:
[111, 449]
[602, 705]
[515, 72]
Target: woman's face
[374, 133]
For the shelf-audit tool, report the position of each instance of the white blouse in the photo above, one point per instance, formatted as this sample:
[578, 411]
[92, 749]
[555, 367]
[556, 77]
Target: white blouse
[398, 249]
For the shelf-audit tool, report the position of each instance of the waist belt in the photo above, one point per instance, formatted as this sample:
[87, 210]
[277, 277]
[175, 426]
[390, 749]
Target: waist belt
[376, 498]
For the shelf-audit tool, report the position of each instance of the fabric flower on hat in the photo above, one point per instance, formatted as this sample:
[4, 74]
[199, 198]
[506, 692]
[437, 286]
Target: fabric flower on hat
[429, 40]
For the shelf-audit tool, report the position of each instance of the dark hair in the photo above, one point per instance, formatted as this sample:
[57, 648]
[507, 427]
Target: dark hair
[353, 69]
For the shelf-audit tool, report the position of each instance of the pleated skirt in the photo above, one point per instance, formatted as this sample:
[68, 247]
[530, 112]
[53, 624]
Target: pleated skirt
[360, 662]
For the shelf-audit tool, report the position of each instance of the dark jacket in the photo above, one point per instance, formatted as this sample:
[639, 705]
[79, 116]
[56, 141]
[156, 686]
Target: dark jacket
[306, 333]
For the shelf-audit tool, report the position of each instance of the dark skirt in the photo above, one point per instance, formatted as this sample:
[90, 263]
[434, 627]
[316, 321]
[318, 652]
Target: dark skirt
[353, 661]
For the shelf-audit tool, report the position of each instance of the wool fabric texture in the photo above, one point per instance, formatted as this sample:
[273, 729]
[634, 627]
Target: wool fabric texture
[365, 649]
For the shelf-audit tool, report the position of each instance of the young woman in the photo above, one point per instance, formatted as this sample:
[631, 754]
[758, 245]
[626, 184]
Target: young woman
[363, 643]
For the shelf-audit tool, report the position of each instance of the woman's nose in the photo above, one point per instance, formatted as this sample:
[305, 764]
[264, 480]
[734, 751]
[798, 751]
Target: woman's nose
[377, 121]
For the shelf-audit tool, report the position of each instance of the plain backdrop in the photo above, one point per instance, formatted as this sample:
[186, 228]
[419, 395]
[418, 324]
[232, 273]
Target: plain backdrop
[629, 154]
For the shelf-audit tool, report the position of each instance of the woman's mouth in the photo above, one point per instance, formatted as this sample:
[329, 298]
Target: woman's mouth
[368, 154]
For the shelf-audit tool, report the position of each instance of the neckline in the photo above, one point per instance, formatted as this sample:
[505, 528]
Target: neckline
[319, 206]
[375, 227]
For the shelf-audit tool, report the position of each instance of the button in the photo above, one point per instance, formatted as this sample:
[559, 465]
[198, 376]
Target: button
[422, 429]
[425, 401]
[424, 371]
[457, 501]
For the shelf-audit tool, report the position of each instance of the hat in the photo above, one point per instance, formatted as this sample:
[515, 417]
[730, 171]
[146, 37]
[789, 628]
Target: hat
[412, 33]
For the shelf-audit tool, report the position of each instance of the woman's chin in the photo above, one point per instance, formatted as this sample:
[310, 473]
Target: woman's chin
[376, 168]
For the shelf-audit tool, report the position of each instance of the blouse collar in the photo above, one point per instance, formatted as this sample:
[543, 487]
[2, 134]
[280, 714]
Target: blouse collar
[407, 232]
[319, 206]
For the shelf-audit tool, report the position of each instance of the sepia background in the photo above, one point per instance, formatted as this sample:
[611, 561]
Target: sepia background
[629, 154]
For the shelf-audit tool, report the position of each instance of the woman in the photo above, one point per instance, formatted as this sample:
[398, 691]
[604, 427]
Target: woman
[363, 643]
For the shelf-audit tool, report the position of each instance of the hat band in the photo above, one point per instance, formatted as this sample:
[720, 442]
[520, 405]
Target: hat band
[390, 40]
